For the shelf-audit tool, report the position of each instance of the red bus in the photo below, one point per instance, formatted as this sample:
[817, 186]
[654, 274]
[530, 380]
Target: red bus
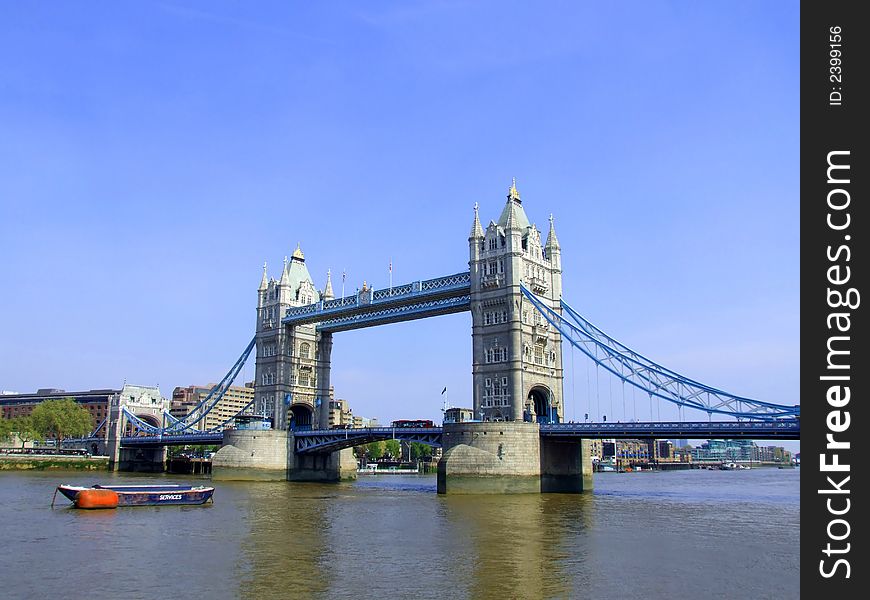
[413, 423]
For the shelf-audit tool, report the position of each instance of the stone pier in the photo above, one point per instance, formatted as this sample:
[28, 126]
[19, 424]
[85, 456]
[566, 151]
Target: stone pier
[264, 455]
[510, 458]
[141, 460]
[333, 466]
[249, 454]
[566, 466]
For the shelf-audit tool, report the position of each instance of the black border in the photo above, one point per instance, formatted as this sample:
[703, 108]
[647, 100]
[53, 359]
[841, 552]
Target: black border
[826, 128]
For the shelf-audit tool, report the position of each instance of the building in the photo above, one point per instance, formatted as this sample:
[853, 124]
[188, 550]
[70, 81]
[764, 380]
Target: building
[661, 450]
[740, 451]
[235, 400]
[596, 449]
[139, 399]
[458, 415]
[340, 413]
[286, 375]
[628, 451]
[517, 369]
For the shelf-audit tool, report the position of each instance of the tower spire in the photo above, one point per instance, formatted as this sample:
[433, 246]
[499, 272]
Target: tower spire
[552, 240]
[476, 227]
[513, 192]
[285, 275]
[264, 283]
[327, 292]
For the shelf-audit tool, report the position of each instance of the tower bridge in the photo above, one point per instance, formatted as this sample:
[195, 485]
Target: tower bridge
[519, 321]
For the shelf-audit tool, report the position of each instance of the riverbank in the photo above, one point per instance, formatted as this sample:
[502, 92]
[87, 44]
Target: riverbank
[42, 463]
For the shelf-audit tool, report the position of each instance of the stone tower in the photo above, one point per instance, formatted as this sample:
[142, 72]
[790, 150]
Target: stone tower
[516, 354]
[287, 369]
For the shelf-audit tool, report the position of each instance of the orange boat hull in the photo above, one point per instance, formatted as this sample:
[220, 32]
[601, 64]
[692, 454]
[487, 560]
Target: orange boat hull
[96, 499]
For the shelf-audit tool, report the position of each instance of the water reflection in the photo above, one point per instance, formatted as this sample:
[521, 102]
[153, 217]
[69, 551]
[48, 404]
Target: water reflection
[284, 552]
[514, 546]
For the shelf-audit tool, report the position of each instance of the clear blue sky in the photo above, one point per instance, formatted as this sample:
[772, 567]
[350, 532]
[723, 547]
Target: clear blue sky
[153, 155]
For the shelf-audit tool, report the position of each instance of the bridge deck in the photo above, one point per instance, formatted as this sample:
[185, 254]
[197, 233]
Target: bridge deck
[416, 300]
[330, 440]
[337, 439]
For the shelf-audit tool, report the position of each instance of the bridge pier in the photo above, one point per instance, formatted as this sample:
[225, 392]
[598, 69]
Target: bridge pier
[329, 466]
[509, 457]
[269, 455]
[566, 466]
[142, 460]
[255, 455]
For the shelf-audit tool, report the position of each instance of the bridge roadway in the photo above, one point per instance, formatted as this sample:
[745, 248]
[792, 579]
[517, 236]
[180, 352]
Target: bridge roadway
[318, 441]
[405, 302]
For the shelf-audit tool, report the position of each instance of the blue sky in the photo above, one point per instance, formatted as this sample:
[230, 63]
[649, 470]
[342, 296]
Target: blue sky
[153, 155]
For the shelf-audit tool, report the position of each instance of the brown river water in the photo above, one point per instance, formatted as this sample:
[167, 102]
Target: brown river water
[689, 534]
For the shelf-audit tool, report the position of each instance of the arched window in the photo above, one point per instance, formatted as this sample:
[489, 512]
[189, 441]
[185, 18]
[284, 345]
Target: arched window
[305, 350]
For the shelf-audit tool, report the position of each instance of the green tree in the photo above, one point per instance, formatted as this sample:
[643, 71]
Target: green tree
[374, 450]
[419, 450]
[61, 418]
[393, 447]
[23, 427]
[5, 427]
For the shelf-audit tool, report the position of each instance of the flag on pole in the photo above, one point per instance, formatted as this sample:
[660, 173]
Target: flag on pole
[444, 390]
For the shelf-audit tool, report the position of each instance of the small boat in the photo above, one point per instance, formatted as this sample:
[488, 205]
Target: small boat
[112, 496]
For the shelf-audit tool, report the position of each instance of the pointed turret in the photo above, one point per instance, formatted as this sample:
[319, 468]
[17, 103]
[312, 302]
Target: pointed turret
[285, 275]
[476, 227]
[513, 192]
[552, 240]
[327, 292]
[513, 216]
[264, 282]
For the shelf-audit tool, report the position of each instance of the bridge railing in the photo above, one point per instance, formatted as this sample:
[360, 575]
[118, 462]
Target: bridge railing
[785, 424]
[395, 294]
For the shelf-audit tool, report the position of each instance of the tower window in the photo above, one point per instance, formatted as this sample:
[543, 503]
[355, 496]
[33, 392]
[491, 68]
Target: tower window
[305, 350]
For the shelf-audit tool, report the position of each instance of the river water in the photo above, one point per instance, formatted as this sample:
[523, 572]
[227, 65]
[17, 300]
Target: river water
[689, 534]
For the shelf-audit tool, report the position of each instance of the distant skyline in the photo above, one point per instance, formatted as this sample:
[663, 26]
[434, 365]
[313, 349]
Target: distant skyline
[153, 156]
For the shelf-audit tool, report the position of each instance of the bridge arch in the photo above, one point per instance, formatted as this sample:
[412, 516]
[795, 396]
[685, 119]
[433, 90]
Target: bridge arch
[149, 418]
[539, 404]
[301, 415]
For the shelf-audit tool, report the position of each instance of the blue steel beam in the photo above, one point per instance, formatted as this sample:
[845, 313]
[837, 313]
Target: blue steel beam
[150, 441]
[330, 440]
[397, 314]
[789, 429]
[311, 442]
[344, 312]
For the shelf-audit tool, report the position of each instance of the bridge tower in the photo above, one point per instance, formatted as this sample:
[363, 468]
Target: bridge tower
[517, 357]
[288, 368]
